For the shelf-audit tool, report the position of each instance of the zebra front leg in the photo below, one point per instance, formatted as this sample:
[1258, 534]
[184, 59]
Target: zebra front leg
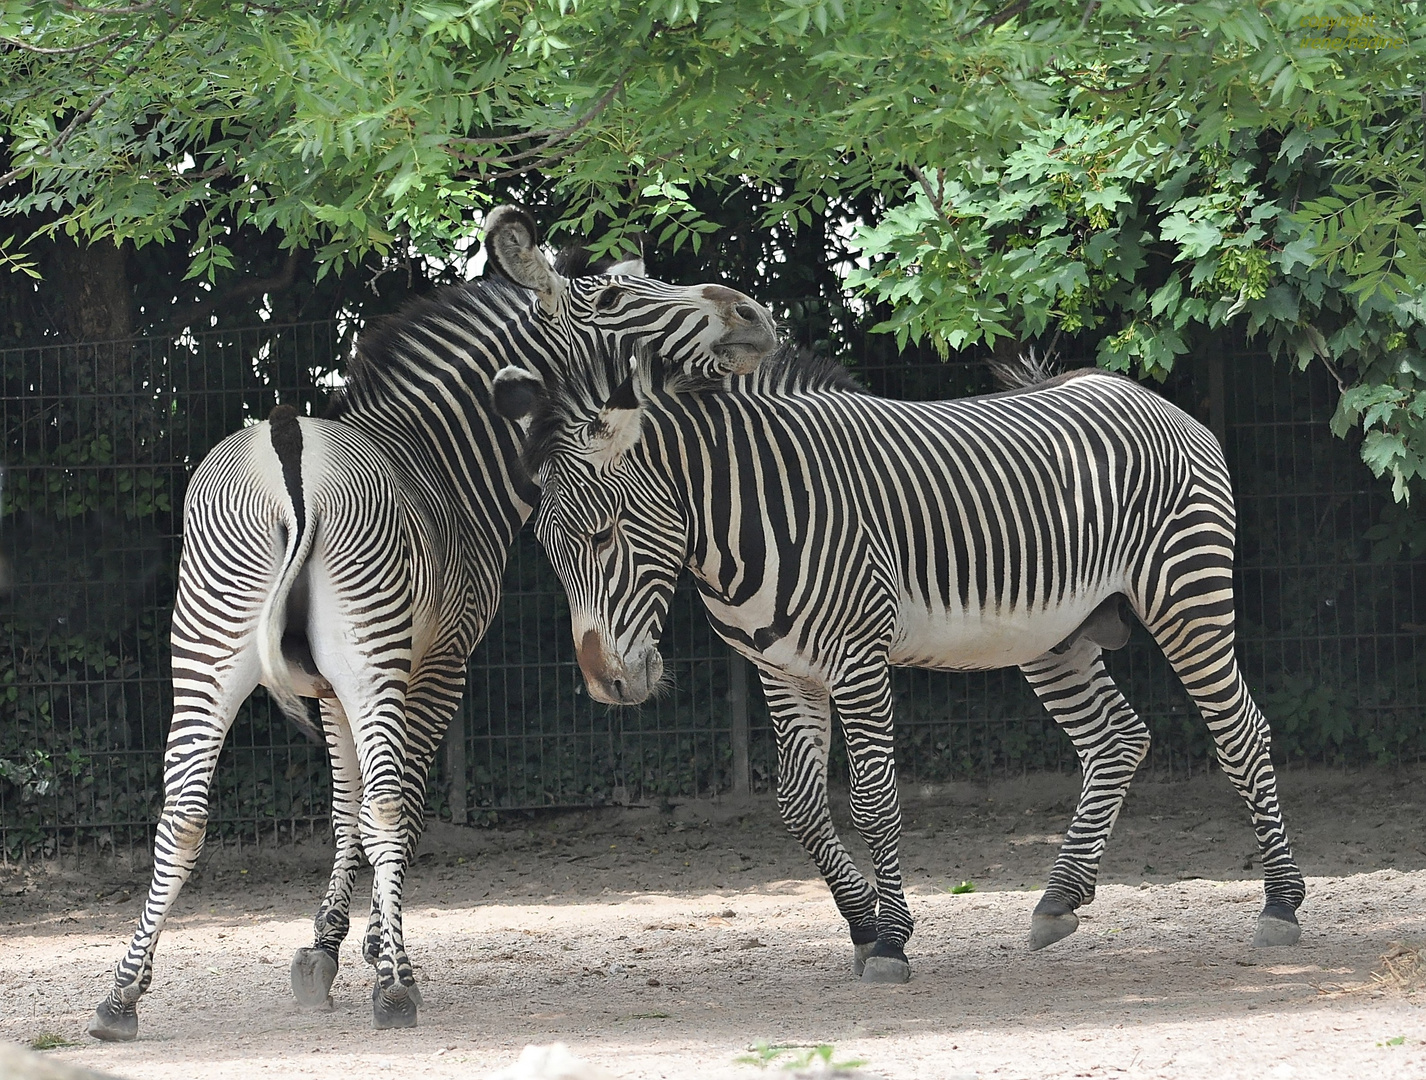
[206, 700]
[1111, 742]
[315, 968]
[863, 703]
[802, 724]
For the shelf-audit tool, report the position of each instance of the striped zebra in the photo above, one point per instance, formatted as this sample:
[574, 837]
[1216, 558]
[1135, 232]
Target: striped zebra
[833, 535]
[357, 559]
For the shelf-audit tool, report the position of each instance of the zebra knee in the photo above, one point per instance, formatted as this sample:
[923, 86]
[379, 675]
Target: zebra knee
[187, 826]
[385, 810]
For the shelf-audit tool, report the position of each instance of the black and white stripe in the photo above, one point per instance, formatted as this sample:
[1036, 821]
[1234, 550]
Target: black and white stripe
[834, 535]
[357, 559]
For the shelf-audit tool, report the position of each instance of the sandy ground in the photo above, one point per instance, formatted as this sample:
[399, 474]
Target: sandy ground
[668, 943]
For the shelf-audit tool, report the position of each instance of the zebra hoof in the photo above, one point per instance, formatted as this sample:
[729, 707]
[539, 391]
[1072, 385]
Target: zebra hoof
[860, 952]
[1277, 925]
[1051, 921]
[114, 1023]
[312, 973]
[885, 964]
[394, 1008]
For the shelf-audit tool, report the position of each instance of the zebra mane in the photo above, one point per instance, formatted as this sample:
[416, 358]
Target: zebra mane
[1026, 371]
[384, 346]
[573, 404]
[793, 369]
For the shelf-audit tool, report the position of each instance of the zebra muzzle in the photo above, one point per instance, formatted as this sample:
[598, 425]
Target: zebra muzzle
[616, 680]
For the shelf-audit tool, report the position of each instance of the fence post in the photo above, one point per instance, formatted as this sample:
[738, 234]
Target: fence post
[455, 766]
[738, 714]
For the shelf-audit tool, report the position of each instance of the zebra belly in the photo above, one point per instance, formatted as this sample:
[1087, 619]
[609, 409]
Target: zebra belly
[960, 640]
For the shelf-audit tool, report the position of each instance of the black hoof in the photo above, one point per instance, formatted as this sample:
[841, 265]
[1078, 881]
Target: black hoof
[886, 964]
[115, 1023]
[392, 1008]
[1051, 921]
[312, 973]
[1277, 925]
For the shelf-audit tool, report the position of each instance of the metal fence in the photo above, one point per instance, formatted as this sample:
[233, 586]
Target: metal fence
[101, 439]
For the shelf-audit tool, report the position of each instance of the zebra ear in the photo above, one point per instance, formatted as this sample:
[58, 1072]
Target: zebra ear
[629, 268]
[512, 250]
[619, 424]
[516, 392]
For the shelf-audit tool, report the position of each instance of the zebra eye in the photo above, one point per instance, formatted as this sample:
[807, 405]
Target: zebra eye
[608, 298]
[602, 537]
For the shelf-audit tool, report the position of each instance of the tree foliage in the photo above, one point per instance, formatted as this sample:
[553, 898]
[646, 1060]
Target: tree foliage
[1139, 175]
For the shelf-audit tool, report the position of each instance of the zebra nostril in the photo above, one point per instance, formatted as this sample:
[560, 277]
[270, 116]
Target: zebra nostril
[746, 312]
[619, 690]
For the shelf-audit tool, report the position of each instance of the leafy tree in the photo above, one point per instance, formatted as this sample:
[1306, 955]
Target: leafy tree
[1142, 176]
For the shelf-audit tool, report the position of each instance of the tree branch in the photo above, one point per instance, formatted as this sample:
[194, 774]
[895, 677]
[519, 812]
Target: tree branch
[552, 136]
[552, 159]
[249, 289]
[98, 103]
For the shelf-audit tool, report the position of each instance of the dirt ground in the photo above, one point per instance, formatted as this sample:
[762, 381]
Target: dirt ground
[668, 943]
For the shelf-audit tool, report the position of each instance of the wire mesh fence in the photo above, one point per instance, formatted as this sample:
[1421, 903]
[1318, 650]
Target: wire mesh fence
[100, 441]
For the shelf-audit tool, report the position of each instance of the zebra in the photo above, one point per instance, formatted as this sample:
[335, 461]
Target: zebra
[833, 535]
[357, 559]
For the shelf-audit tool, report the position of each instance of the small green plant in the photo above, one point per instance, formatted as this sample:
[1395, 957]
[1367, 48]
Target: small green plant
[1397, 1041]
[963, 887]
[820, 1056]
[48, 1040]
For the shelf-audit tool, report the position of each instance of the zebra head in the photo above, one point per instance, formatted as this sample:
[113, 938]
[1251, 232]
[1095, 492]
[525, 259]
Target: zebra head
[708, 330]
[611, 526]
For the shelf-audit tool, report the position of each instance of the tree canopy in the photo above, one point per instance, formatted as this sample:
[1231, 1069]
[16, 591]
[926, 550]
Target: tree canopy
[1141, 177]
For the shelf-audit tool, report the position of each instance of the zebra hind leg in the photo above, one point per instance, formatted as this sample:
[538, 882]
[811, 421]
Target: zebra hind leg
[1111, 741]
[1202, 656]
[431, 699]
[314, 968]
[209, 682]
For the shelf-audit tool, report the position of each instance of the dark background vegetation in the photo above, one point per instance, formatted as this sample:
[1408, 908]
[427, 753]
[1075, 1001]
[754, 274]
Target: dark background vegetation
[118, 376]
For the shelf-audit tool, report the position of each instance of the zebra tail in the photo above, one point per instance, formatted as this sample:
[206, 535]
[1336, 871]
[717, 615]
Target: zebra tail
[286, 434]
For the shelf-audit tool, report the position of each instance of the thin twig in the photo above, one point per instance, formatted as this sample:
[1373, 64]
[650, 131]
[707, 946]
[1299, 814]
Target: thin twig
[1062, 73]
[937, 200]
[132, 9]
[1088, 11]
[1341, 385]
[60, 52]
[997, 20]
